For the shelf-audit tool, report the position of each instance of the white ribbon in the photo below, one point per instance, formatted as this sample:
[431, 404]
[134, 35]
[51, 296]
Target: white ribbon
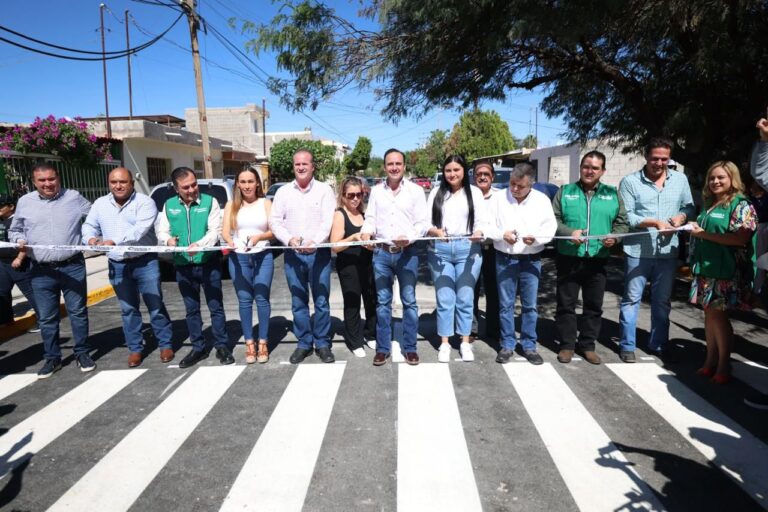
[164, 249]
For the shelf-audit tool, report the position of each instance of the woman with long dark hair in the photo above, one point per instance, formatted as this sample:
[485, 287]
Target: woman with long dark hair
[355, 266]
[457, 210]
[246, 229]
[722, 266]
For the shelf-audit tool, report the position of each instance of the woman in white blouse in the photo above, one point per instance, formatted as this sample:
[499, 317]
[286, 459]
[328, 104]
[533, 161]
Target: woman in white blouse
[457, 210]
[245, 228]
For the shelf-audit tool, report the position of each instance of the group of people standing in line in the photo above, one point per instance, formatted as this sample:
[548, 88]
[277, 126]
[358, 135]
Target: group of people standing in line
[477, 234]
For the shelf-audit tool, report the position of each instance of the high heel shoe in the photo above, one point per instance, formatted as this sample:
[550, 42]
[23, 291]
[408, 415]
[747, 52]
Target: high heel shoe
[263, 355]
[250, 352]
[721, 378]
[705, 372]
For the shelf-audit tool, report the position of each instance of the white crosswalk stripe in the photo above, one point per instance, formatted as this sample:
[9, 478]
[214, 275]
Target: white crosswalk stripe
[120, 477]
[434, 464]
[721, 440]
[595, 471]
[281, 463]
[433, 467]
[9, 384]
[33, 434]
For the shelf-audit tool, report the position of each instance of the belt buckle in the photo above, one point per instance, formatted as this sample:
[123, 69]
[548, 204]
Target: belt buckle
[393, 249]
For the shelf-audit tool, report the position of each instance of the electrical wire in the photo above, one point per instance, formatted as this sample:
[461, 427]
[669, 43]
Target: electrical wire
[105, 55]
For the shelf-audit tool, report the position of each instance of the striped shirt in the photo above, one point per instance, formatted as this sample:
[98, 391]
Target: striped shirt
[644, 200]
[55, 221]
[130, 224]
[306, 214]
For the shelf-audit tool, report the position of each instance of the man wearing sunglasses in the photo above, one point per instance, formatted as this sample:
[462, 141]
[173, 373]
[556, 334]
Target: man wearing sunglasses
[301, 217]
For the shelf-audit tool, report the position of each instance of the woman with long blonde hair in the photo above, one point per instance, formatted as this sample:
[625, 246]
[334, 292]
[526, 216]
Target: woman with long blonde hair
[721, 262]
[251, 266]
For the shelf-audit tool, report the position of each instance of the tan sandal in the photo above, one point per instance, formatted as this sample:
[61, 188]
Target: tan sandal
[250, 352]
[263, 355]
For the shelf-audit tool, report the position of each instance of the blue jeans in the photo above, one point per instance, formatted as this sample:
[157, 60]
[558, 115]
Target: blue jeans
[190, 278]
[404, 265]
[21, 277]
[252, 278]
[637, 271]
[455, 266]
[518, 273]
[304, 272]
[49, 283]
[134, 278]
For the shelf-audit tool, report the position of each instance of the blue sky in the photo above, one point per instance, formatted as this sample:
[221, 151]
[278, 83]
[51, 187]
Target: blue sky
[163, 83]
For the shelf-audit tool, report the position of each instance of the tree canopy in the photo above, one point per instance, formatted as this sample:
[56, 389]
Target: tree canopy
[361, 154]
[281, 158]
[694, 71]
[479, 134]
[425, 160]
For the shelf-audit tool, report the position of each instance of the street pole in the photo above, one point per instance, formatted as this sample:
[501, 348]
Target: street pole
[189, 9]
[264, 125]
[130, 88]
[104, 68]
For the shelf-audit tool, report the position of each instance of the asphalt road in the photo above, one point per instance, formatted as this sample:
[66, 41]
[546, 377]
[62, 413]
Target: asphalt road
[349, 436]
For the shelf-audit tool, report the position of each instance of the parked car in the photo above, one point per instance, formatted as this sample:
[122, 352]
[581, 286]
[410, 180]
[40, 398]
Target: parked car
[220, 189]
[273, 190]
[436, 179]
[424, 183]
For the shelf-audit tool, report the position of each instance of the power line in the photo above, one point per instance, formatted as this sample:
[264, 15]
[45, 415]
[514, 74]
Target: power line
[110, 55]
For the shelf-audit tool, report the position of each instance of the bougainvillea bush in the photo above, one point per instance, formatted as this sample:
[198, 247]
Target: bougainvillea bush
[65, 138]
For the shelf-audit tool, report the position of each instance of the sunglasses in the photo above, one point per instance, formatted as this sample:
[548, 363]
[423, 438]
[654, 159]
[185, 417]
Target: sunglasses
[353, 195]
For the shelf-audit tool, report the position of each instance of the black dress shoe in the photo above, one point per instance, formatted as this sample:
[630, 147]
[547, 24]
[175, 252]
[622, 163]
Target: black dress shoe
[299, 355]
[224, 355]
[412, 358]
[325, 355]
[192, 358]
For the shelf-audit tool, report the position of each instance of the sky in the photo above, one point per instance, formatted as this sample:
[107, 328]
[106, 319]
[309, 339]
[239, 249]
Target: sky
[163, 81]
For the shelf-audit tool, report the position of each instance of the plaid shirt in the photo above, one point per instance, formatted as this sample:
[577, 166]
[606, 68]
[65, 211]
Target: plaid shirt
[644, 200]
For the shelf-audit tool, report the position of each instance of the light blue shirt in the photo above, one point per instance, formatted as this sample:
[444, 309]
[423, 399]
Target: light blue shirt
[130, 224]
[54, 221]
[644, 200]
[759, 164]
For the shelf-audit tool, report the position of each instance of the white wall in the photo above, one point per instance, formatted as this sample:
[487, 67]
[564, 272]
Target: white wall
[136, 152]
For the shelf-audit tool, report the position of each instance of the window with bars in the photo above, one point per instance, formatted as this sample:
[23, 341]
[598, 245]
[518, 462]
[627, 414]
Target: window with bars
[158, 170]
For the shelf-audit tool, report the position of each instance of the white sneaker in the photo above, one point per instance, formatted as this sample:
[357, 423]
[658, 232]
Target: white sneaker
[371, 344]
[444, 353]
[465, 349]
[359, 352]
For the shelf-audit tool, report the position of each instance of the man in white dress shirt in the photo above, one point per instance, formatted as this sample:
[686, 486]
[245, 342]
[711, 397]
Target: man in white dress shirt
[397, 212]
[301, 217]
[524, 224]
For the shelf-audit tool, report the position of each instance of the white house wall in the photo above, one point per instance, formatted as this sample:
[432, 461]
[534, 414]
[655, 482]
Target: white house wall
[136, 152]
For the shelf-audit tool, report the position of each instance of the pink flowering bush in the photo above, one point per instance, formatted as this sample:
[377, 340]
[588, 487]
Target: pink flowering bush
[68, 139]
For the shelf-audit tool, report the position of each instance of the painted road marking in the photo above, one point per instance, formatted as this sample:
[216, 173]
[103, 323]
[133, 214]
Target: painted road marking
[9, 384]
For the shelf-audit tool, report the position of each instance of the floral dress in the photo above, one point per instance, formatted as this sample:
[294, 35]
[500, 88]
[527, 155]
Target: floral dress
[734, 293]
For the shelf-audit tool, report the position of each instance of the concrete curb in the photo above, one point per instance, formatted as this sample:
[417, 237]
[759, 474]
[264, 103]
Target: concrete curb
[22, 324]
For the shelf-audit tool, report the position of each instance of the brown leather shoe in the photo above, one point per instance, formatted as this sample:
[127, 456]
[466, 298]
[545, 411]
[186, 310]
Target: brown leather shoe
[592, 357]
[134, 359]
[565, 356]
[380, 358]
[412, 358]
[166, 355]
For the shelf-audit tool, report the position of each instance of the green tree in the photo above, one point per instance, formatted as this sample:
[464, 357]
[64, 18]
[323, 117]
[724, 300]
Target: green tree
[694, 71]
[361, 154]
[479, 133]
[375, 167]
[281, 158]
[530, 141]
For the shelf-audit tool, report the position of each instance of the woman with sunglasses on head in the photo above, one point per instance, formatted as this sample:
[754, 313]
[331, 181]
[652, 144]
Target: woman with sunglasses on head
[245, 228]
[354, 265]
[722, 267]
[457, 210]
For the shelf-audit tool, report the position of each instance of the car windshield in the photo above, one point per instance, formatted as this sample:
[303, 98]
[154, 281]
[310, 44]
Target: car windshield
[273, 189]
[219, 192]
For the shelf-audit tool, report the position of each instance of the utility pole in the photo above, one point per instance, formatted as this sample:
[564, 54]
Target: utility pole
[130, 88]
[189, 9]
[264, 125]
[536, 133]
[104, 67]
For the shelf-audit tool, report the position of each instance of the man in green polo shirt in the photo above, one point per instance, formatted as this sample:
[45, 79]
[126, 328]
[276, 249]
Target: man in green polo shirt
[585, 208]
[191, 219]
